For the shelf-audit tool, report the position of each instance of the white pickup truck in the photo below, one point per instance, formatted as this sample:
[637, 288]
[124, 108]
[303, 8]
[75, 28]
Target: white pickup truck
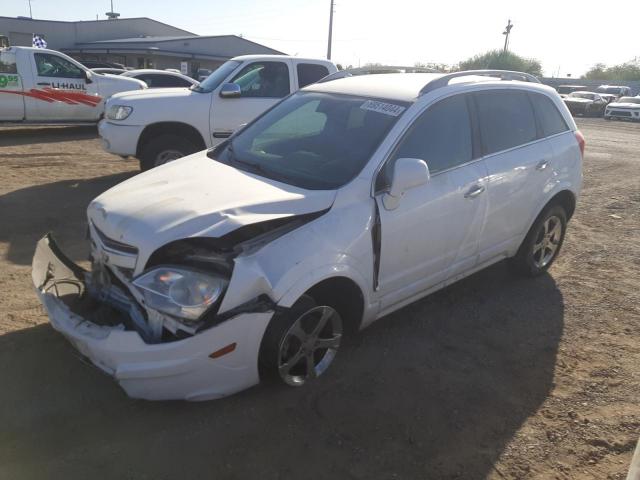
[44, 86]
[160, 125]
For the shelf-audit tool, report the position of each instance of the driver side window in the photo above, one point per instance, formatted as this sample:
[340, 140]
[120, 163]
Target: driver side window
[264, 80]
[441, 136]
[49, 65]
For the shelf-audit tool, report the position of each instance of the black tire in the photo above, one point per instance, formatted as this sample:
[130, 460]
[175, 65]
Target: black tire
[275, 335]
[525, 262]
[152, 151]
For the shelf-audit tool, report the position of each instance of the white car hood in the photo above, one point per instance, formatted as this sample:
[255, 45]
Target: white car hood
[196, 196]
[152, 94]
[634, 106]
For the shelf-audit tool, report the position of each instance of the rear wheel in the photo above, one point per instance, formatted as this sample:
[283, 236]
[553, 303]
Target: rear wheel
[160, 150]
[542, 244]
[300, 344]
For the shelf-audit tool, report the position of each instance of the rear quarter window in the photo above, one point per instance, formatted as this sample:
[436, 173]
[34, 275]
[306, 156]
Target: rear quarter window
[506, 119]
[550, 119]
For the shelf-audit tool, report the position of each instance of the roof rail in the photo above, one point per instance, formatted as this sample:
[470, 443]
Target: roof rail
[374, 70]
[443, 81]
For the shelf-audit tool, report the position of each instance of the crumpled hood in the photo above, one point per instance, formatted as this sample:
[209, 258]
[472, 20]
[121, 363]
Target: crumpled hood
[196, 196]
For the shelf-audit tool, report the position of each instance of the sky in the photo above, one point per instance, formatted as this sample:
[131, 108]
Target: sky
[567, 36]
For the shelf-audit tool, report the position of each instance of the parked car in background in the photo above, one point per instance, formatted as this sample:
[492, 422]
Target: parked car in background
[202, 74]
[161, 78]
[44, 86]
[585, 103]
[110, 71]
[93, 64]
[343, 203]
[163, 125]
[625, 108]
[567, 89]
[617, 90]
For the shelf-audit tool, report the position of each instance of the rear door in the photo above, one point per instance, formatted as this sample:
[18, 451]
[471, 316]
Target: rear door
[11, 99]
[433, 233]
[61, 91]
[520, 166]
[262, 83]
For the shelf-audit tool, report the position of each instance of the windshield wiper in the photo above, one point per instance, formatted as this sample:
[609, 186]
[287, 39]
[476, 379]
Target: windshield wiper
[255, 167]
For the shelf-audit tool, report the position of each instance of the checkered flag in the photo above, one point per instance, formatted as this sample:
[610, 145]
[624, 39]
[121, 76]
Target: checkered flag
[39, 42]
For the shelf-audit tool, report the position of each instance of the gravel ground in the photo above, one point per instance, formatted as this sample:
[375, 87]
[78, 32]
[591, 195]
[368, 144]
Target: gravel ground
[494, 377]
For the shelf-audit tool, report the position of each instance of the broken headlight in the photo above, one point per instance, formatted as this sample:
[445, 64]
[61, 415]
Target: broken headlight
[180, 292]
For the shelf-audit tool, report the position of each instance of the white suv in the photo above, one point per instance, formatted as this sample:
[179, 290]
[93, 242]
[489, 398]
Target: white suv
[341, 204]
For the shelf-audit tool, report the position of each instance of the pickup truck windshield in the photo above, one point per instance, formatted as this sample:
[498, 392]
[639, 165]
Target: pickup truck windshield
[317, 141]
[216, 78]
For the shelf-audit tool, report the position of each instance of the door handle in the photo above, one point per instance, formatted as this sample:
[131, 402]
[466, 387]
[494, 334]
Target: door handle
[44, 83]
[542, 164]
[474, 191]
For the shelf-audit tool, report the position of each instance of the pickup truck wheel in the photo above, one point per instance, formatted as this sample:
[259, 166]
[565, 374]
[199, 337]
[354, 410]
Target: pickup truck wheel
[300, 344]
[164, 149]
[542, 244]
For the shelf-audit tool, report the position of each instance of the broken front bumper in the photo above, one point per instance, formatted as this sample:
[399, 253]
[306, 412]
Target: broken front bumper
[181, 369]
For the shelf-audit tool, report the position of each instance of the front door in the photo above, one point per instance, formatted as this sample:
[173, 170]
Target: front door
[262, 84]
[433, 233]
[61, 91]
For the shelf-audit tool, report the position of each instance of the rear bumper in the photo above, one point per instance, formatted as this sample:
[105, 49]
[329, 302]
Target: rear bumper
[119, 139]
[166, 371]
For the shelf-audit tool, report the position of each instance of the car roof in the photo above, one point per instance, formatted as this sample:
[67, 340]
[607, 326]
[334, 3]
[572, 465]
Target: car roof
[405, 87]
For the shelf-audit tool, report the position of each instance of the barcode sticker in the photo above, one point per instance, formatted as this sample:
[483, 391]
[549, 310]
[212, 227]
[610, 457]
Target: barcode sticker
[381, 107]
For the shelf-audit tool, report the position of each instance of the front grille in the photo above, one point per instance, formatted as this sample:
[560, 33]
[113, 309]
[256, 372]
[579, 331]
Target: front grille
[620, 113]
[114, 245]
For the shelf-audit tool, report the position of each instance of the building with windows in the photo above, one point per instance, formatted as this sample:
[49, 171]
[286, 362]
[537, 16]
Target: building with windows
[133, 42]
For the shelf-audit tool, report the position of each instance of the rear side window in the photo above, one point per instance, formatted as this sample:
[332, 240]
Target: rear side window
[309, 73]
[550, 119]
[506, 119]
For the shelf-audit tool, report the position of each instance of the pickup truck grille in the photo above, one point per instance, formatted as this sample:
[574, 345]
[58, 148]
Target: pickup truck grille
[620, 113]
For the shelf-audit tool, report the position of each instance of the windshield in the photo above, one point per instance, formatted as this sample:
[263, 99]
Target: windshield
[217, 77]
[317, 141]
[588, 96]
[629, 100]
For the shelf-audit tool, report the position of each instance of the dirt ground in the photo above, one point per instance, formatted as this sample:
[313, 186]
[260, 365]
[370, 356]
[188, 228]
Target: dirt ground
[495, 377]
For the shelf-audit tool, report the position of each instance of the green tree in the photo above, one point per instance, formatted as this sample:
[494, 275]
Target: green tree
[624, 72]
[501, 60]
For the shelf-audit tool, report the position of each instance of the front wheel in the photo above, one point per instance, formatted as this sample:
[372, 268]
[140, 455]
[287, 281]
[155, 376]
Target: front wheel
[300, 344]
[542, 244]
[160, 150]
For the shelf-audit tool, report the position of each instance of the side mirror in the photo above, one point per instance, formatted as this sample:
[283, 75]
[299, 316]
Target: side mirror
[230, 90]
[88, 77]
[407, 173]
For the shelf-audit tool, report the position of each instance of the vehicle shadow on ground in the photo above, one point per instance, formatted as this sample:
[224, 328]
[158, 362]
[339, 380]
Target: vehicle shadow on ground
[10, 137]
[435, 390]
[59, 207]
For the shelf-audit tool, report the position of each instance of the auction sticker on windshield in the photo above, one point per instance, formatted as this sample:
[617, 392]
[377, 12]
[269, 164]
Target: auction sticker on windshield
[381, 107]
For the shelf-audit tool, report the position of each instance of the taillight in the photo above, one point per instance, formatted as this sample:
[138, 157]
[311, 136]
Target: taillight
[581, 142]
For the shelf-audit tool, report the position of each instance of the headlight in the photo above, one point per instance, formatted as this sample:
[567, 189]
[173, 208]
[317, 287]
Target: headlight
[118, 112]
[180, 292]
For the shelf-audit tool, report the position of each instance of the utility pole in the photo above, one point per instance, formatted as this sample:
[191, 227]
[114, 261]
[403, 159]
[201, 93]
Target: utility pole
[330, 31]
[507, 31]
[30, 12]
